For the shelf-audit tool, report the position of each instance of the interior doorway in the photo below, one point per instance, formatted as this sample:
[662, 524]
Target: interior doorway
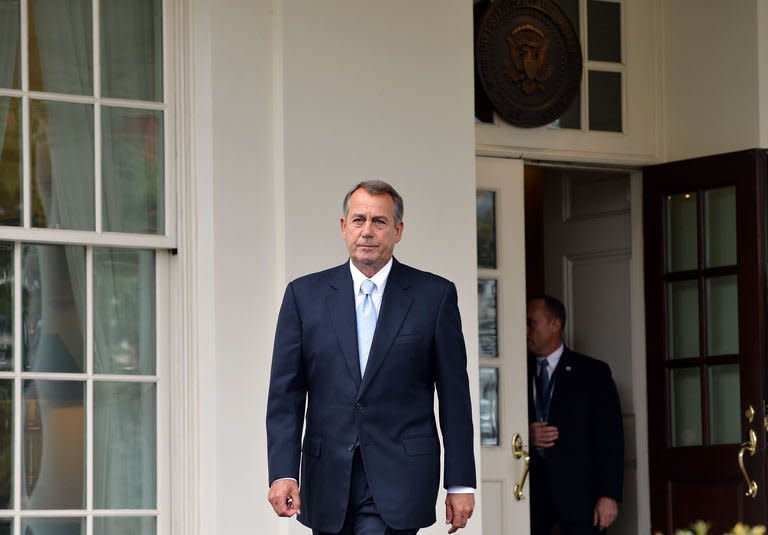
[582, 246]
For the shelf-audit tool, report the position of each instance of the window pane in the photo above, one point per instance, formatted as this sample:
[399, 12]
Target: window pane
[10, 52]
[6, 527]
[10, 159]
[683, 318]
[6, 308]
[572, 116]
[724, 396]
[605, 101]
[132, 49]
[720, 226]
[124, 526]
[723, 315]
[124, 448]
[132, 167]
[604, 30]
[681, 232]
[53, 308]
[6, 445]
[489, 406]
[685, 390]
[486, 229]
[53, 454]
[61, 46]
[53, 526]
[486, 306]
[62, 165]
[124, 311]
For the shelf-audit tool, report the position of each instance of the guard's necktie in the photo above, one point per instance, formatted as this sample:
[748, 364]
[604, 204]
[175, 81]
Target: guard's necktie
[542, 390]
[366, 323]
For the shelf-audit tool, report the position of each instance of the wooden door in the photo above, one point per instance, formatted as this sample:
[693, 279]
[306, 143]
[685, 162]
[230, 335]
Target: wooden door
[704, 227]
[503, 377]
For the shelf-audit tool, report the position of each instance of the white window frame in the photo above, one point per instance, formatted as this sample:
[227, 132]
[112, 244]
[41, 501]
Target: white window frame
[26, 232]
[173, 377]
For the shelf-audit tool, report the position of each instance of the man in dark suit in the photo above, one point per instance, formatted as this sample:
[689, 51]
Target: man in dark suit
[363, 347]
[577, 466]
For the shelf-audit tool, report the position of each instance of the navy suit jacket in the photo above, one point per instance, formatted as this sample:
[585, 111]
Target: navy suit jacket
[587, 459]
[417, 348]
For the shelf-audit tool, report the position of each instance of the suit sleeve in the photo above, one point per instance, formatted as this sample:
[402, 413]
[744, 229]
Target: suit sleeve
[608, 435]
[287, 394]
[453, 393]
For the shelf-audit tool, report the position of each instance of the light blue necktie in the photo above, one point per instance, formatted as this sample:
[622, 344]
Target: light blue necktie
[366, 323]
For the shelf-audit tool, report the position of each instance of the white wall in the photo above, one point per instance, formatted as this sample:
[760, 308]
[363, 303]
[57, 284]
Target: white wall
[711, 100]
[308, 98]
[762, 66]
[244, 285]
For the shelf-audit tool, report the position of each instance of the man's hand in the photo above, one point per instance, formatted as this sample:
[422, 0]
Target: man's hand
[543, 435]
[606, 512]
[284, 497]
[458, 509]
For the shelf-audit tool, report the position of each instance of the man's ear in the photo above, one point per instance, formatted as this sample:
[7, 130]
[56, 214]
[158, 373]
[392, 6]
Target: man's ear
[558, 324]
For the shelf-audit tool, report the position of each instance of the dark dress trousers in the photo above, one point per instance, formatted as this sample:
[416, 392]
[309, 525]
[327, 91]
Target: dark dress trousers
[587, 459]
[388, 415]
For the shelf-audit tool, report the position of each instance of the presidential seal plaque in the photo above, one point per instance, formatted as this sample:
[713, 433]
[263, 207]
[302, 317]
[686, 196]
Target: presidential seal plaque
[528, 58]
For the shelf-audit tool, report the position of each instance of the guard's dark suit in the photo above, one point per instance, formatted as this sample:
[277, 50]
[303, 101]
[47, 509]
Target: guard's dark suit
[417, 347]
[587, 460]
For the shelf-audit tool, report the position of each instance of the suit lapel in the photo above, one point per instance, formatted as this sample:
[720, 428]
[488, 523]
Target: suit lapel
[394, 306]
[341, 309]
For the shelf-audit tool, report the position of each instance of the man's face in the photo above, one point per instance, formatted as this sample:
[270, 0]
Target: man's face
[369, 230]
[544, 330]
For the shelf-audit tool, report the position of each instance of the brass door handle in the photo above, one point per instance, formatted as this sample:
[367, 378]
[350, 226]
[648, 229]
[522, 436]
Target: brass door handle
[751, 447]
[519, 452]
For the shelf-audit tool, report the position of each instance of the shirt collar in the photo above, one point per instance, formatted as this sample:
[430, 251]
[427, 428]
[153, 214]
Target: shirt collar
[553, 358]
[379, 279]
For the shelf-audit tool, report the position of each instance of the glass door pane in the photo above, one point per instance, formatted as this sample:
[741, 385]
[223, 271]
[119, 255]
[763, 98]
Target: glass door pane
[720, 227]
[724, 400]
[681, 232]
[487, 318]
[683, 318]
[486, 229]
[685, 393]
[722, 315]
[489, 406]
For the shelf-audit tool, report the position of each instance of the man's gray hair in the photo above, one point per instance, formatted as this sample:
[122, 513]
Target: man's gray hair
[377, 187]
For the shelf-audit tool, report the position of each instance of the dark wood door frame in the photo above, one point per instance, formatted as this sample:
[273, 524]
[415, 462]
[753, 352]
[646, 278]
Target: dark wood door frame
[704, 482]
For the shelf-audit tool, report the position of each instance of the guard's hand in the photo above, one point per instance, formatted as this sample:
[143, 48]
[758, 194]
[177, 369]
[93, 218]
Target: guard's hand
[458, 509]
[284, 497]
[543, 435]
[606, 511]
